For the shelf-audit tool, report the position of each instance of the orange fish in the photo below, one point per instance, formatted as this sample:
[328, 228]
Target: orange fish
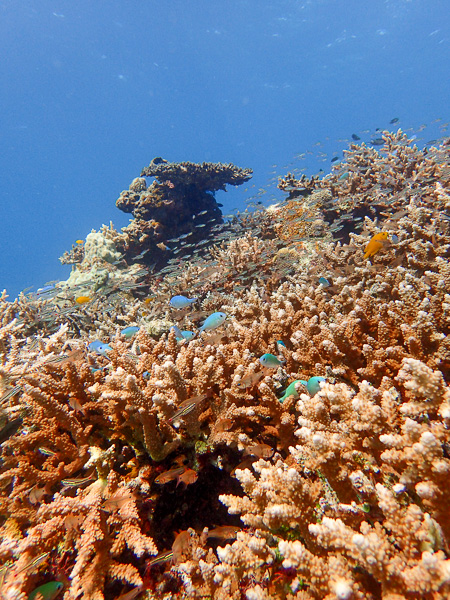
[223, 425]
[224, 532]
[250, 380]
[120, 498]
[76, 405]
[181, 545]
[245, 464]
[376, 243]
[259, 450]
[168, 476]
[82, 299]
[189, 476]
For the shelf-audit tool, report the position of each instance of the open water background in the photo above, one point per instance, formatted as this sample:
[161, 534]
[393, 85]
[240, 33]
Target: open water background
[92, 90]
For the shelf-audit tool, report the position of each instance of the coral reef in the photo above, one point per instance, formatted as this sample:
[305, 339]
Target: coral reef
[135, 460]
[374, 183]
[165, 209]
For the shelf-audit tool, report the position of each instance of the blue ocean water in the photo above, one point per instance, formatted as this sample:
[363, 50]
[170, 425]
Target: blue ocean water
[92, 90]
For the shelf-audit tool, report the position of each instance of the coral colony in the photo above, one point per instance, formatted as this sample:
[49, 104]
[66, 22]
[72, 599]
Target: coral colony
[243, 407]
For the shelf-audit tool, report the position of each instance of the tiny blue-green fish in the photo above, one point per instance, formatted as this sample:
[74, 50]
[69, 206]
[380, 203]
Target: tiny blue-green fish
[48, 590]
[291, 390]
[188, 335]
[271, 361]
[280, 343]
[146, 375]
[182, 335]
[324, 281]
[213, 321]
[94, 345]
[103, 349]
[177, 332]
[128, 332]
[181, 301]
[313, 385]
[394, 238]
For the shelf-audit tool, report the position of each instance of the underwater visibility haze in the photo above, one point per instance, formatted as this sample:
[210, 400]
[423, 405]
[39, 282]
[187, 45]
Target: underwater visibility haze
[224, 335]
[93, 91]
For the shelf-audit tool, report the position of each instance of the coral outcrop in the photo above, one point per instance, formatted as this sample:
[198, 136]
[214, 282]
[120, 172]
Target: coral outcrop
[179, 201]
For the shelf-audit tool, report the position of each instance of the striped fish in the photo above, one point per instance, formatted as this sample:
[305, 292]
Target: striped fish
[78, 481]
[186, 407]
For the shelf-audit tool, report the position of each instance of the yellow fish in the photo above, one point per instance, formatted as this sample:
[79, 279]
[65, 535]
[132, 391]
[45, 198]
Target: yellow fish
[79, 241]
[376, 243]
[83, 299]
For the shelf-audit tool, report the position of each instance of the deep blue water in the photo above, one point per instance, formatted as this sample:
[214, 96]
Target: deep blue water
[92, 90]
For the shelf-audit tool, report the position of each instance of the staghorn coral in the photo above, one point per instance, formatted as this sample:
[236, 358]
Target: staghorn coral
[342, 516]
[95, 526]
[73, 256]
[373, 183]
[351, 505]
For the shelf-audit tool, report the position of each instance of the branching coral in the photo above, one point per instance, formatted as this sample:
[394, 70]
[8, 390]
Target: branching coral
[114, 460]
[358, 512]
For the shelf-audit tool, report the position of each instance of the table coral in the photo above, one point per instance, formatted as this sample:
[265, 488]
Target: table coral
[179, 192]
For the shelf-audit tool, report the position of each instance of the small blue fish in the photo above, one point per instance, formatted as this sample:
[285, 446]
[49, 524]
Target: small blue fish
[324, 281]
[394, 238]
[103, 349]
[280, 344]
[44, 289]
[313, 385]
[182, 335]
[181, 301]
[178, 333]
[47, 292]
[128, 332]
[93, 346]
[188, 335]
[213, 321]
[270, 361]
